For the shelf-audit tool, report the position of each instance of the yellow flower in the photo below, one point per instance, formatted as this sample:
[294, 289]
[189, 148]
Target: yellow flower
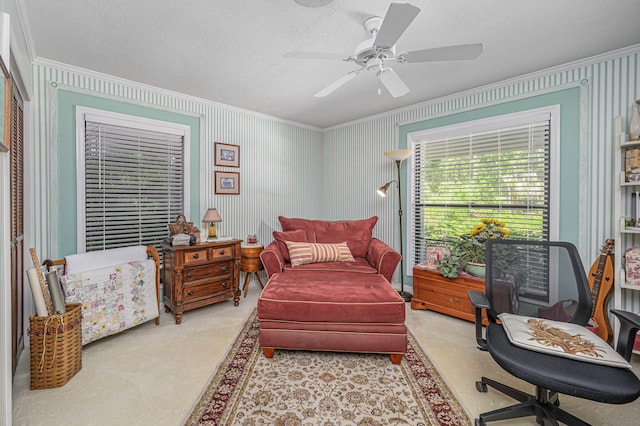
[476, 230]
[489, 228]
[489, 221]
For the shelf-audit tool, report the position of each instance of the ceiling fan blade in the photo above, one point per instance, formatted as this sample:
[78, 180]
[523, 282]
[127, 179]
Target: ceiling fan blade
[395, 22]
[460, 52]
[305, 54]
[336, 84]
[393, 83]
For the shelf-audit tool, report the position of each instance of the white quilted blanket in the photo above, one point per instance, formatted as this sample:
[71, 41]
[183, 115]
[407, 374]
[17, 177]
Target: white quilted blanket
[114, 298]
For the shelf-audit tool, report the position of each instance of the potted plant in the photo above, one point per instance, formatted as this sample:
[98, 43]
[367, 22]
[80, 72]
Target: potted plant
[468, 251]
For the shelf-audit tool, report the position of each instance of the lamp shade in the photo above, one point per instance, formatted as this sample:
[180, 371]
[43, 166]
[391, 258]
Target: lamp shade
[211, 215]
[399, 154]
[382, 191]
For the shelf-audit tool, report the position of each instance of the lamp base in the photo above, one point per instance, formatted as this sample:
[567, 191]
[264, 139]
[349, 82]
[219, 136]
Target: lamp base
[406, 296]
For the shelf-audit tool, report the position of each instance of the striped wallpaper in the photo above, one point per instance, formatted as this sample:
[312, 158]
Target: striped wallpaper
[294, 170]
[273, 154]
[610, 83]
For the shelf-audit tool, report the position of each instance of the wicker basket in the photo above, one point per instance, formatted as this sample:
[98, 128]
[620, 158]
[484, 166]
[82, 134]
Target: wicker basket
[56, 347]
[181, 226]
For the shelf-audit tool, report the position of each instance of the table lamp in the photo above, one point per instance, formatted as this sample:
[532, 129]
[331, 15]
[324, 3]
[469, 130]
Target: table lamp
[211, 217]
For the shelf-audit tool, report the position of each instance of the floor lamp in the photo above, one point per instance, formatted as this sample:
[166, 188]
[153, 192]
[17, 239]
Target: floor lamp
[398, 156]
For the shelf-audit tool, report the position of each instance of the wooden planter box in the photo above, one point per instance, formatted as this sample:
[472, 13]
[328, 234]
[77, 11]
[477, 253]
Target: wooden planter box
[434, 292]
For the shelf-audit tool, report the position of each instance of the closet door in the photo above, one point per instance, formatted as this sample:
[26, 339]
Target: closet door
[17, 225]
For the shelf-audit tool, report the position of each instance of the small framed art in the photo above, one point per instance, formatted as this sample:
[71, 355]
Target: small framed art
[227, 155]
[227, 183]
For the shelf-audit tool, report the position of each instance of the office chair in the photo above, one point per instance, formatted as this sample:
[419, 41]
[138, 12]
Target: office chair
[546, 280]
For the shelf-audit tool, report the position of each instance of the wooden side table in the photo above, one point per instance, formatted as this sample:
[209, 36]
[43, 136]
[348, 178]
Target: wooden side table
[199, 275]
[251, 264]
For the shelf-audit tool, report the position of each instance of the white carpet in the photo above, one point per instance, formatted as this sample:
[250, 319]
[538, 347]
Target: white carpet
[152, 375]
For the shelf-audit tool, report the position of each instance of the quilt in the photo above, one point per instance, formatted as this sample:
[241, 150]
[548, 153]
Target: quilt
[114, 298]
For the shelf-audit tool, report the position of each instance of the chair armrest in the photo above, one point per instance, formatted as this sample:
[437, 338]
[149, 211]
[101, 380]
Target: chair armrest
[629, 326]
[272, 259]
[478, 299]
[383, 258]
[480, 302]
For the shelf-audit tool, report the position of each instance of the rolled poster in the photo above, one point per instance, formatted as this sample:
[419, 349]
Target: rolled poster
[56, 292]
[36, 290]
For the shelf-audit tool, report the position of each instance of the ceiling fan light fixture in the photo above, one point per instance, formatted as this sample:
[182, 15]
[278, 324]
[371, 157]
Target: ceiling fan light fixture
[372, 25]
[378, 51]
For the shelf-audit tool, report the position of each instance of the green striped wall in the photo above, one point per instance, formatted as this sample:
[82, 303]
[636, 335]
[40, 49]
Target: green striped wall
[295, 170]
[608, 86]
[279, 161]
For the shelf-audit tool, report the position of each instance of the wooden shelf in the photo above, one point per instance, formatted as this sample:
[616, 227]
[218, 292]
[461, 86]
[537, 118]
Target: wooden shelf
[630, 287]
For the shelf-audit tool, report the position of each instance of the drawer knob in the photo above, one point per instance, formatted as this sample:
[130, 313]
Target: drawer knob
[221, 252]
[196, 256]
[190, 275]
[224, 269]
[224, 284]
[190, 292]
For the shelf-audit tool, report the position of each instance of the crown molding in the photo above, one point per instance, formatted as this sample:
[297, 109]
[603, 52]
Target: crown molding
[25, 26]
[133, 84]
[512, 81]
[614, 54]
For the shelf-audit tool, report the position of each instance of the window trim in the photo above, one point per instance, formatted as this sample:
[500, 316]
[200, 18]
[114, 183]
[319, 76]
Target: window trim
[551, 112]
[84, 114]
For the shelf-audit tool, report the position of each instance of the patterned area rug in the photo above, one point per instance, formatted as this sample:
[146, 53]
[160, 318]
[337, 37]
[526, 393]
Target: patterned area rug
[324, 388]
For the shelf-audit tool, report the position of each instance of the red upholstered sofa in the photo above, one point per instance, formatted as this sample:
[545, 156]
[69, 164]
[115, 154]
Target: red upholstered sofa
[336, 299]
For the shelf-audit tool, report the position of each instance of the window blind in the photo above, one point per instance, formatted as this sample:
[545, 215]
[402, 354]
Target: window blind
[133, 185]
[501, 173]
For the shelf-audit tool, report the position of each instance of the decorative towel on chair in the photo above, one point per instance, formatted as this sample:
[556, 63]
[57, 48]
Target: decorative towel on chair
[114, 298]
[560, 338]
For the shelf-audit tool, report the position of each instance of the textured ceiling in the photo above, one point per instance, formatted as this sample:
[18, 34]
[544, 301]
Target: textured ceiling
[231, 51]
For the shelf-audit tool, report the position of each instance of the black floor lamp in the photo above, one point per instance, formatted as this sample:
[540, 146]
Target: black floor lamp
[398, 156]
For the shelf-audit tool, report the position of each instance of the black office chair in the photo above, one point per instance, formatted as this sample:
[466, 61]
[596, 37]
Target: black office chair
[546, 280]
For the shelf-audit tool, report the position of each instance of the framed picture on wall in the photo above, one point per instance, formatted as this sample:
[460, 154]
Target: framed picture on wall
[227, 183]
[227, 155]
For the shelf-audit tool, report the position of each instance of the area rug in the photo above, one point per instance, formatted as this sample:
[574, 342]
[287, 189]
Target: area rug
[324, 388]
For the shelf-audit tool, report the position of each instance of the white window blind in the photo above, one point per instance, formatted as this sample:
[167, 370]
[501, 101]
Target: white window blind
[499, 170]
[133, 184]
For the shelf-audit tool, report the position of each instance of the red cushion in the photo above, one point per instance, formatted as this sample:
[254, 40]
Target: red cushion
[331, 297]
[357, 233]
[297, 236]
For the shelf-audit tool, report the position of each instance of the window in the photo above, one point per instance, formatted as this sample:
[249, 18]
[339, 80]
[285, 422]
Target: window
[132, 179]
[499, 168]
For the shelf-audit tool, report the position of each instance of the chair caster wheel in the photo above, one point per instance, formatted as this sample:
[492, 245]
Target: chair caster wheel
[481, 387]
[479, 422]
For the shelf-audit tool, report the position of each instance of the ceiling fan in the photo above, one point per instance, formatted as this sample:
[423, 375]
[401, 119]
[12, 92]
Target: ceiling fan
[379, 51]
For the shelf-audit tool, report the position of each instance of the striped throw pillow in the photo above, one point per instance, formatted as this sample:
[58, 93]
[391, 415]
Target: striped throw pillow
[302, 253]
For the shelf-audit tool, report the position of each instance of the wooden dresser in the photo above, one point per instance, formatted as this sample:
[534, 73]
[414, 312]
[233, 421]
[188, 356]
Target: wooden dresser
[434, 292]
[199, 275]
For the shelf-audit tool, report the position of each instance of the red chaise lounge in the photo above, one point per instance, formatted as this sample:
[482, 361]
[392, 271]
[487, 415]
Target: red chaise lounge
[321, 296]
